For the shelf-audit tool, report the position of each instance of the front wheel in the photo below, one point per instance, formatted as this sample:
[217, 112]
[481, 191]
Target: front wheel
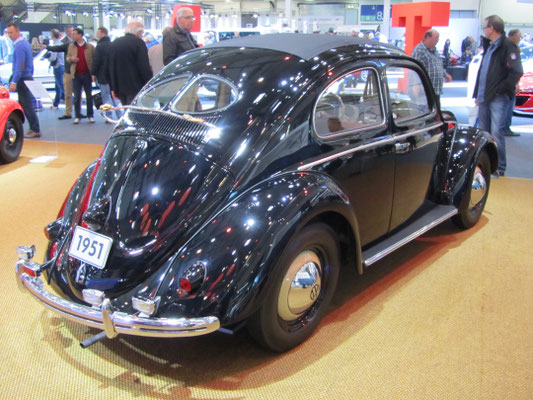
[308, 271]
[11, 141]
[475, 195]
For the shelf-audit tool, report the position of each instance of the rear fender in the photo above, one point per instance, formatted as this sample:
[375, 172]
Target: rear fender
[70, 213]
[465, 146]
[239, 247]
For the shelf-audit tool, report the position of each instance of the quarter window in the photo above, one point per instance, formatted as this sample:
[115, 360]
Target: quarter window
[350, 103]
[408, 96]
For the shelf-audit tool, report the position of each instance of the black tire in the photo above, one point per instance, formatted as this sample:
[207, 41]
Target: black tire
[11, 141]
[475, 195]
[280, 325]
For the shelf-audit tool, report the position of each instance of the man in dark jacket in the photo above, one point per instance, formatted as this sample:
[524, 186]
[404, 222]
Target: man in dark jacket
[100, 69]
[179, 39]
[498, 75]
[67, 77]
[129, 67]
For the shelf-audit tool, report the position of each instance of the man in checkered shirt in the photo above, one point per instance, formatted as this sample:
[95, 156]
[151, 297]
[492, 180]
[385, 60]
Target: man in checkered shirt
[427, 53]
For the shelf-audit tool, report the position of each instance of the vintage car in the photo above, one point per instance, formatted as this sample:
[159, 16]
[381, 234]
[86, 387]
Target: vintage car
[11, 133]
[244, 176]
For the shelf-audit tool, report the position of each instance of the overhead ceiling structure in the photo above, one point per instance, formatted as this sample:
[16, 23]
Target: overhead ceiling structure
[17, 10]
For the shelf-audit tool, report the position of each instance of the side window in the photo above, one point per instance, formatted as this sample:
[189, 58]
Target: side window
[408, 97]
[350, 103]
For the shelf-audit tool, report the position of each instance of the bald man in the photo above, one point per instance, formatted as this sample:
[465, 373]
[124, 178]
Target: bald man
[426, 52]
[179, 39]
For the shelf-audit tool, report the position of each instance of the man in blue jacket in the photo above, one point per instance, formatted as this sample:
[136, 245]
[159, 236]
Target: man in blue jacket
[498, 75]
[23, 71]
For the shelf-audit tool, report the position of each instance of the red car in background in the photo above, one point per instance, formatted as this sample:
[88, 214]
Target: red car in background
[11, 120]
[524, 98]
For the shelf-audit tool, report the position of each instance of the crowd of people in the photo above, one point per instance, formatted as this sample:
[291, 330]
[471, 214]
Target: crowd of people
[120, 68]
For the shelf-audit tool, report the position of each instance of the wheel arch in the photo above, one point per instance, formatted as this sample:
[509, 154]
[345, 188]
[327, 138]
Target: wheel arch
[349, 244]
[240, 276]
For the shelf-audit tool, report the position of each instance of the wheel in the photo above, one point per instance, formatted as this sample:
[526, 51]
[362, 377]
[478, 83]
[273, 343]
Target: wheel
[308, 271]
[475, 195]
[11, 141]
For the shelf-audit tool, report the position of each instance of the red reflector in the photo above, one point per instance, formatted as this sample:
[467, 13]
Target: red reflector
[185, 284]
[29, 271]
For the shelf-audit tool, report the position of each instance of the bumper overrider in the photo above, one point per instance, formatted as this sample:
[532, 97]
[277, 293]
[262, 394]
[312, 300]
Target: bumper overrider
[103, 316]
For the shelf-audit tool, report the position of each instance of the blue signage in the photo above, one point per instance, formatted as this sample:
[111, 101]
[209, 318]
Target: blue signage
[371, 13]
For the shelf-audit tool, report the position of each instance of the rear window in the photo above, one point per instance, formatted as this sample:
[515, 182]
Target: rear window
[185, 94]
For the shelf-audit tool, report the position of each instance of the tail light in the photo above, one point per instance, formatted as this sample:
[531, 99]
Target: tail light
[192, 278]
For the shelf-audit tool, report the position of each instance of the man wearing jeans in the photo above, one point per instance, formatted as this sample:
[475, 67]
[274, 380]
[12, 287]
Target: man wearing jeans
[80, 55]
[23, 71]
[57, 62]
[498, 75]
[100, 70]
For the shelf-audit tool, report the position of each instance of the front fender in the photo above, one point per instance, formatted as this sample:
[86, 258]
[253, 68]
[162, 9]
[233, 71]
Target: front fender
[239, 247]
[8, 106]
[465, 146]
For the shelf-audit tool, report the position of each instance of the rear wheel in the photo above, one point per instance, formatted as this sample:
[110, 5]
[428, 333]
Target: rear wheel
[309, 268]
[475, 195]
[11, 141]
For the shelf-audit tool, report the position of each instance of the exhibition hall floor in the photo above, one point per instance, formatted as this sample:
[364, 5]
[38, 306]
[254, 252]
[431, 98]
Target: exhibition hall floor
[446, 317]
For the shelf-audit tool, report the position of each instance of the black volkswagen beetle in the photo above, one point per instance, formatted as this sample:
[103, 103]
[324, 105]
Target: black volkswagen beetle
[243, 177]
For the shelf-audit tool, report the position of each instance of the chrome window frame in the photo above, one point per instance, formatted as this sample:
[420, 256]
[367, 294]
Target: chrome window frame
[160, 83]
[402, 122]
[347, 132]
[193, 80]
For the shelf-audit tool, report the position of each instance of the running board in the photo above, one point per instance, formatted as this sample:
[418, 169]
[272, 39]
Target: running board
[420, 226]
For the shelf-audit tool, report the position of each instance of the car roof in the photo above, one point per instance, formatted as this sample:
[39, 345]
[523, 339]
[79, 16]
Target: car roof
[305, 46]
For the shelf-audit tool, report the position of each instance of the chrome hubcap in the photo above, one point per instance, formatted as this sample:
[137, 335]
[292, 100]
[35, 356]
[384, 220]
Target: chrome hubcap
[479, 188]
[11, 135]
[301, 286]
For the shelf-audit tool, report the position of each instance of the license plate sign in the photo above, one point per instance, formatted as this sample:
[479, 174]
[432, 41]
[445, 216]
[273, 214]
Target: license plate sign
[90, 247]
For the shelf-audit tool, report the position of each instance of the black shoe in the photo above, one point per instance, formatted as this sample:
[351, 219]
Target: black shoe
[497, 174]
[64, 117]
[511, 133]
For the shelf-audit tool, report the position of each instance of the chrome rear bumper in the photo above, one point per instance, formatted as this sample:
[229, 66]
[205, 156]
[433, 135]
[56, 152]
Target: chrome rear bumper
[112, 322]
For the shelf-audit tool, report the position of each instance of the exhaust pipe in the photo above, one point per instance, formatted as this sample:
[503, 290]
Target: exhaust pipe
[92, 340]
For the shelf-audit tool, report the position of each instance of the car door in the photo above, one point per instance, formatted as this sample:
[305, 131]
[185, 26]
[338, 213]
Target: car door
[350, 116]
[417, 130]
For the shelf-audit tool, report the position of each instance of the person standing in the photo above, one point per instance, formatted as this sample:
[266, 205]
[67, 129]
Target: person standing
[179, 39]
[129, 67]
[426, 52]
[80, 54]
[515, 36]
[67, 77]
[100, 70]
[446, 53]
[496, 81]
[155, 54]
[23, 71]
[57, 62]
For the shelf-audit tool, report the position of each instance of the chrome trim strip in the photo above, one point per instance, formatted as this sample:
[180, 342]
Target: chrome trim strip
[409, 238]
[114, 323]
[368, 146]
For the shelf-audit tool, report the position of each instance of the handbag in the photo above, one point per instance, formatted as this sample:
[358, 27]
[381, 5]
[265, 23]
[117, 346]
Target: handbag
[97, 100]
